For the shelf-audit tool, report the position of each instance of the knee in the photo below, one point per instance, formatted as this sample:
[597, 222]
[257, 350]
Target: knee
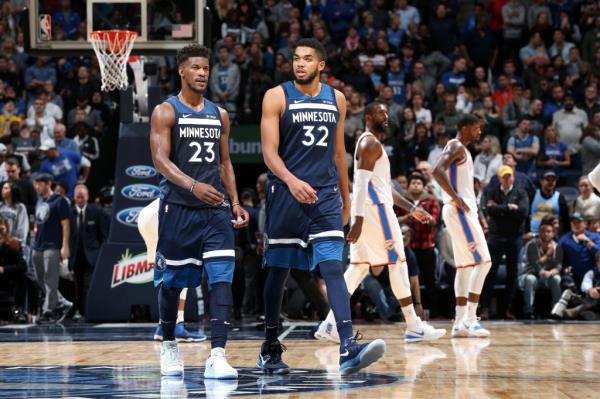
[530, 281]
[555, 280]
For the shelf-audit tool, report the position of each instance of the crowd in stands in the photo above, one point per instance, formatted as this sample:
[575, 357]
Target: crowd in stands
[530, 69]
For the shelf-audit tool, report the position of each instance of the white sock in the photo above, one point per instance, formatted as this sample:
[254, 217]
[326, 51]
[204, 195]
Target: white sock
[398, 274]
[354, 275]
[180, 311]
[471, 311]
[412, 321]
[459, 312]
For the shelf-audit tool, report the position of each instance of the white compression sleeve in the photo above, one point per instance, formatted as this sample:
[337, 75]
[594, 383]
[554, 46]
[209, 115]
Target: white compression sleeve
[361, 190]
[399, 281]
[148, 228]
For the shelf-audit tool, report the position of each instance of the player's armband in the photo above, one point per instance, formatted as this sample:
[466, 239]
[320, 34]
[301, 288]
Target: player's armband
[361, 189]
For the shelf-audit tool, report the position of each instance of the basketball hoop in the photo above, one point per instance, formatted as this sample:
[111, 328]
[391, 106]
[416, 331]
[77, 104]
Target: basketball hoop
[112, 48]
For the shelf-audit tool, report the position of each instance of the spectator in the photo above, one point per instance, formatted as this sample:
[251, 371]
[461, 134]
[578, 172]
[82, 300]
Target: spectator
[590, 103]
[258, 84]
[423, 242]
[27, 143]
[62, 141]
[12, 273]
[490, 115]
[422, 115]
[534, 52]
[87, 145]
[456, 77]
[479, 46]
[587, 203]
[524, 147]
[431, 187]
[580, 247]
[506, 210]
[51, 244]
[8, 116]
[27, 193]
[513, 15]
[40, 120]
[569, 123]
[488, 161]
[408, 14]
[14, 213]
[560, 46]
[61, 164]
[536, 9]
[590, 148]
[443, 31]
[421, 144]
[420, 75]
[356, 113]
[590, 286]
[555, 154]
[441, 139]
[68, 19]
[52, 97]
[339, 15]
[394, 78]
[517, 107]
[38, 73]
[556, 103]
[541, 266]
[548, 202]
[50, 109]
[450, 115]
[83, 112]
[89, 230]
[225, 82]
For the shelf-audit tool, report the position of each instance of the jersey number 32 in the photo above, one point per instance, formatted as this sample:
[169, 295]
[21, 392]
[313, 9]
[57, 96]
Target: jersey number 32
[310, 136]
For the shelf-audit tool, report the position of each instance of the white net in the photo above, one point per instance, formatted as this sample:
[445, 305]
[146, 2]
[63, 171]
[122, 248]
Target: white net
[112, 48]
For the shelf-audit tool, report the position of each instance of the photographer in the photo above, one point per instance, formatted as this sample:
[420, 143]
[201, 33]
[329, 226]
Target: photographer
[587, 307]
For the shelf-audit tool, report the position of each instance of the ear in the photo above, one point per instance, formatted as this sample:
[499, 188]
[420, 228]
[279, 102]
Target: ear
[180, 71]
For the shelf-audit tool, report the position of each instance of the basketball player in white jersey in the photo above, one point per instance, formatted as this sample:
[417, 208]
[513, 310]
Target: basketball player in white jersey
[148, 228]
[454, 173]
[594, 177]
[375, 236]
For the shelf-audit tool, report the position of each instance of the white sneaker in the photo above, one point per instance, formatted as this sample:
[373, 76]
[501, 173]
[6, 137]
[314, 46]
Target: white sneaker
[219, 389]
[172, 387]
[217, 366]
[426, 332]
[327, 332]
[170, 359]
[458, 330]
[474, 329]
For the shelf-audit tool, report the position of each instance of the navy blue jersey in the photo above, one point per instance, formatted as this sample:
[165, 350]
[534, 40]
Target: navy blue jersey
[307, 130]
[195, 139]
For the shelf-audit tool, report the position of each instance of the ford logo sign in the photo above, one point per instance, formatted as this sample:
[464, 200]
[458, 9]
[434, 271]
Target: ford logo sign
[141, 171]
[140, 192]
[129, 216]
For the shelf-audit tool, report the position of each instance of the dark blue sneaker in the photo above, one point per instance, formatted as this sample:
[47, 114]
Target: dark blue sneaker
[357, 356]
[158, 335]
[269, 359]
[183, 335]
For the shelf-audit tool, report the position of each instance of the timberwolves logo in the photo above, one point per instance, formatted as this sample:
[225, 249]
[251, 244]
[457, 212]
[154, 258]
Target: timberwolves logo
[42, 212]
[160, 263]
[143, 381]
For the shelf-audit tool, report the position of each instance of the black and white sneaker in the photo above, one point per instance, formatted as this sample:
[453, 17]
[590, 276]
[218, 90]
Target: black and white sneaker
[269, 359]
[62, 311]
[357, 356]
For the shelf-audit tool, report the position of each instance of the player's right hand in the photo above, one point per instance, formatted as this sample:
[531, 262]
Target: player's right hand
[355, 230]
[303, 192]
[461, 204]
[207, 193]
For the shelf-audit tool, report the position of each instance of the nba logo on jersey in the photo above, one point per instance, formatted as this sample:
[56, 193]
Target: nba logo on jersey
[45, 27]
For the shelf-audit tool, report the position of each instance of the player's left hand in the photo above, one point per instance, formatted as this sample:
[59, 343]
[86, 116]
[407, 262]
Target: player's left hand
[241, 218]
[422, 216]
[355, 230]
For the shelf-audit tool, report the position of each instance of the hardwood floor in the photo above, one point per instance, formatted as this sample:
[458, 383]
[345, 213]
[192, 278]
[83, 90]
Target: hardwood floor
[519, 360]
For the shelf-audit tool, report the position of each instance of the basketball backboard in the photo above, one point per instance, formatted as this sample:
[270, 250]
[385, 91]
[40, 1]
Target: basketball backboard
[63, 27]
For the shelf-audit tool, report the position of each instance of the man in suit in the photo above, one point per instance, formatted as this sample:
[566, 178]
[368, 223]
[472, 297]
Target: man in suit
[89, 227]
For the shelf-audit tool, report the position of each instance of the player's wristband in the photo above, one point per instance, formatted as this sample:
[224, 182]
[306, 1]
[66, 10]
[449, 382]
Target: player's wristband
[194, 182]
[361, 188]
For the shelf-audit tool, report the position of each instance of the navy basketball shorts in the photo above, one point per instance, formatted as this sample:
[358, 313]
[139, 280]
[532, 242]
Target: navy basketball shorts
[191, 240]
[302, 235]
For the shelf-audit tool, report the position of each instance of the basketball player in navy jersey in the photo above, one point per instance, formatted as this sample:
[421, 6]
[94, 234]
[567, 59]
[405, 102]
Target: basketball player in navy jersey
[302, 133]
[189, 142]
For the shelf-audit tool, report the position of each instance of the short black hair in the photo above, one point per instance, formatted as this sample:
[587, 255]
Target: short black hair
[314, 44]
[43, 177]
[370, 108]
[468, 120]
[192, 50]
[417, 176]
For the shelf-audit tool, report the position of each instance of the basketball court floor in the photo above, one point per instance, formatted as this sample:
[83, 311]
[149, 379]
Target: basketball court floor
[533, 360]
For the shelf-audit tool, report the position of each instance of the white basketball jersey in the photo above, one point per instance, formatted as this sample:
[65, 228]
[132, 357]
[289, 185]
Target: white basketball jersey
[461, 179]
[380, 185]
